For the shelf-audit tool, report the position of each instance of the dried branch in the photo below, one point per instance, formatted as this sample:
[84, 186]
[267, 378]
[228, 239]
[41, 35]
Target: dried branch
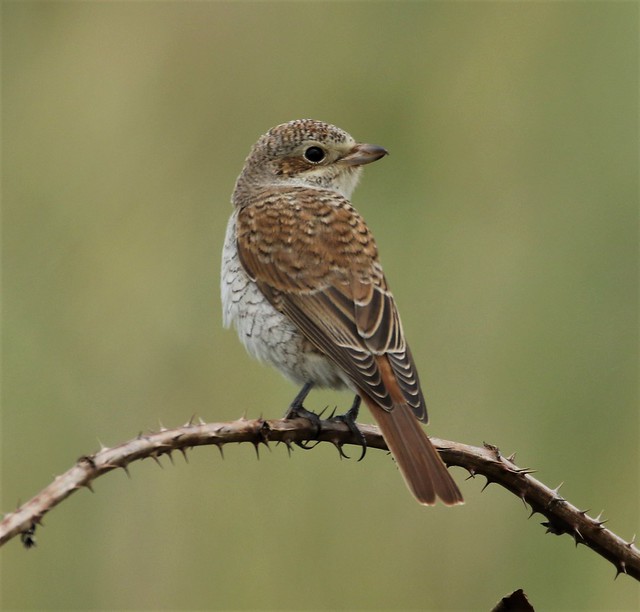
[562, 517]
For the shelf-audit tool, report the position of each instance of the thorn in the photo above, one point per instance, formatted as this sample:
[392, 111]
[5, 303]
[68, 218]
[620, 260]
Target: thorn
[154, 456]
[126, 470]
[472, 473]
[287, 443]
[219, 445]
[200, 421]
[168, 454]
[551, 528]
[583, 512]
[323, 411]
[162, 427]
[333, 412]
[511, 457]
[577, 536]
[256, 446]
[87, 485]
[631, 542]
[598, 521]
[189, 423]
[557, 498]
[492, 448]
[486, 484]
[183, 450]
[533, 511]
[621, 569]
[102, 446]
[524, 501]
[525, 471]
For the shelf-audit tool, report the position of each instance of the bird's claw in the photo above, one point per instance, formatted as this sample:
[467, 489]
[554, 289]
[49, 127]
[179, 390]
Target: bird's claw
[349, 419]
[298, 411]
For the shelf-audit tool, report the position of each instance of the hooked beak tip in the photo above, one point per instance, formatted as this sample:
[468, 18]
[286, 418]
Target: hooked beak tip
[362, 154]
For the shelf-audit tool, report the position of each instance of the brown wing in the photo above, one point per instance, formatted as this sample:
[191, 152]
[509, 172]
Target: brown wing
[316, 261]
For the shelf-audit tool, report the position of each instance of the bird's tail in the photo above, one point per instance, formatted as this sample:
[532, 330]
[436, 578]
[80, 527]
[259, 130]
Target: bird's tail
[424, 472]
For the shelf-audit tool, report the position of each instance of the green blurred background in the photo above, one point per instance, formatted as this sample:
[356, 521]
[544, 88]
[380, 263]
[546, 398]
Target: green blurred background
[507, 222]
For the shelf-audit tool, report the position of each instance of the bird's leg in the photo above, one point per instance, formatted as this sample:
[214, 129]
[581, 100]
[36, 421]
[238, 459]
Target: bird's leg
[349, 419]
[297, 410]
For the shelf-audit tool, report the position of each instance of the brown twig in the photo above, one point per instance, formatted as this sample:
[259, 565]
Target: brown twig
[562, 517]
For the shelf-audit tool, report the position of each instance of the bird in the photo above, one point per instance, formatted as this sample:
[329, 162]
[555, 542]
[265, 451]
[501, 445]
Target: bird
[302, 283]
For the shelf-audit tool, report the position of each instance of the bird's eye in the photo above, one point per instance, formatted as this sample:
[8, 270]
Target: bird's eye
[314, 155]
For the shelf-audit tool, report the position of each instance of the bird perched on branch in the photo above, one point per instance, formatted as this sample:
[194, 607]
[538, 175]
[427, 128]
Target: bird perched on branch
[303, 285]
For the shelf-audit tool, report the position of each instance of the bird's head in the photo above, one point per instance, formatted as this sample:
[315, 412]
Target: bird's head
[308, 153]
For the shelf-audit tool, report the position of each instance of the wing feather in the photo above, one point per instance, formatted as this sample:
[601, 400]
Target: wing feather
[320, 267]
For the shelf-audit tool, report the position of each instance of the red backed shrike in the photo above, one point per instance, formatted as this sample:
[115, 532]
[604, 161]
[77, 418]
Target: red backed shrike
[303, 285]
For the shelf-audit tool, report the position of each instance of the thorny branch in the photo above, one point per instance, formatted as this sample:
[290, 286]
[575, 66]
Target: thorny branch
[562, 517]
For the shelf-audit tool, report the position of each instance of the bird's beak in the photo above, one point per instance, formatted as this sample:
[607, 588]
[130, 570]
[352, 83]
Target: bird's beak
[364, 154]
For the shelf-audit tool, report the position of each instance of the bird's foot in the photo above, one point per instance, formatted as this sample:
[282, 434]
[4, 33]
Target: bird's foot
[297, 411]
[349, 419]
